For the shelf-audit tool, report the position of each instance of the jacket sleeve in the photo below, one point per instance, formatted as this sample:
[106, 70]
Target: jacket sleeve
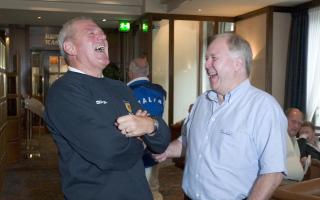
[159, 142]
[302, 142]
[70, 115]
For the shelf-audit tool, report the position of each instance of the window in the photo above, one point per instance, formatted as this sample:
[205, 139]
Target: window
[313, 67]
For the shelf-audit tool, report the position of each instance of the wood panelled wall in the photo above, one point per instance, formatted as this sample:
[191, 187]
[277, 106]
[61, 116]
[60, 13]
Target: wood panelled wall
[13, 110]
[3, 111]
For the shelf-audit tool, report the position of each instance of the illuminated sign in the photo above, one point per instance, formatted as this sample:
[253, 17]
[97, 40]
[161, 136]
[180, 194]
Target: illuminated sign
[144, 27]
[124, 26]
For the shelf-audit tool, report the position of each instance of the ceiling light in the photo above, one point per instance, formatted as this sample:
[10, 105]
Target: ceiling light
[104, 20]
[39, 17]
[199, 9]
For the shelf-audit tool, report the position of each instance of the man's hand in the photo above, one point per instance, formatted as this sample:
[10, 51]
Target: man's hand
[135, 125]
[305, 136]
[303, 160]
[174, 150]
[160, 157]
[143, 113]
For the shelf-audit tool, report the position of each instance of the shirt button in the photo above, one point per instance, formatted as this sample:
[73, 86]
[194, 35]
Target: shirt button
[213, 119]
[200, 156]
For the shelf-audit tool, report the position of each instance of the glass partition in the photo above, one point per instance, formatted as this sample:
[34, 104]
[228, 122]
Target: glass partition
[47, 67]
[37, 75]
[57, 67]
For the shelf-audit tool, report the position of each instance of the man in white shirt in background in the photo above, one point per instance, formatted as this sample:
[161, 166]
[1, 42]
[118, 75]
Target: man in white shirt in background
[294, 166]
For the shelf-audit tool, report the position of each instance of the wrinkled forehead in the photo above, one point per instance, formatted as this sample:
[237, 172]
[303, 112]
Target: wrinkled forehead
[295, 115]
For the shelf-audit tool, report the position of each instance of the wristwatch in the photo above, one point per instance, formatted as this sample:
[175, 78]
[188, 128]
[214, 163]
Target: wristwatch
[155, 127]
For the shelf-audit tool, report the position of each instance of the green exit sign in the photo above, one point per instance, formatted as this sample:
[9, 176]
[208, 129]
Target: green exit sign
[124, 26]
[145, 27]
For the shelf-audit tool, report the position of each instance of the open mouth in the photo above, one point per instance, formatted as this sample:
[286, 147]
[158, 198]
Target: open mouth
[211, 74]
[99, 48]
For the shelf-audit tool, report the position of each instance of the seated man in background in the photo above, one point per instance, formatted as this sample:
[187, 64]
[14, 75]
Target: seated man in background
[308, 141]
[295, 168]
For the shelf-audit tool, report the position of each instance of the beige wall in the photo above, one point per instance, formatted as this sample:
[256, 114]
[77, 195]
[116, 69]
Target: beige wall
[281, 30]
[186, 59]
[186, 56]
[160, 58]
[254, 31]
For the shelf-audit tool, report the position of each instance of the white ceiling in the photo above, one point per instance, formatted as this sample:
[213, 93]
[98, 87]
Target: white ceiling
[56, 12]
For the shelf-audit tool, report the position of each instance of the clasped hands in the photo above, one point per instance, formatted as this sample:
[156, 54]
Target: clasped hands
[135, 125]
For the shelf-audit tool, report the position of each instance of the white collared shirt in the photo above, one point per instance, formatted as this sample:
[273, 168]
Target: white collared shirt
[138, 79]
[79, 71]
[75, 70]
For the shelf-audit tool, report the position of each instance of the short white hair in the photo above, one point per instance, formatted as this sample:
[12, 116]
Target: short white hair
[240, 46]
[137, 69]
[67, 32]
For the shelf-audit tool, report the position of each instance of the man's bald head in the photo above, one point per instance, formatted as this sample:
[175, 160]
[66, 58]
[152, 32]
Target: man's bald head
[295, 120]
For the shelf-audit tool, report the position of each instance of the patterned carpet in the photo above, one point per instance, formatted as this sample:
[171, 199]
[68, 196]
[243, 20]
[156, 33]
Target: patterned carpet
[38, 178]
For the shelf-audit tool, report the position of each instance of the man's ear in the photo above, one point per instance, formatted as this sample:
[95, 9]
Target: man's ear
[69, 48]
[239, 63]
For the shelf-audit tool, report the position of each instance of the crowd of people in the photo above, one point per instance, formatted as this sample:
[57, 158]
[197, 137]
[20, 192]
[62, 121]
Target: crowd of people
[237, 141]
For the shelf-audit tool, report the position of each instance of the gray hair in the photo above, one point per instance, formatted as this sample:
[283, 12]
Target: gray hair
[137, 70]
[67, 32]
[239, 46]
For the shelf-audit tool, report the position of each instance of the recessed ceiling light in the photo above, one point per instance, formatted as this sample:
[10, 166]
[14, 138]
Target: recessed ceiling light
[104, 20]
[199, 9]
[39, 17]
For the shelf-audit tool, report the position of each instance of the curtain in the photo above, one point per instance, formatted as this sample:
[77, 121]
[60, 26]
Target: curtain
[295, 92]
[313, 63]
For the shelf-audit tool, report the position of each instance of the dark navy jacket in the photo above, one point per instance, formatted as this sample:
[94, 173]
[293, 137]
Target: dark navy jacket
[152, 98]
[96, 161]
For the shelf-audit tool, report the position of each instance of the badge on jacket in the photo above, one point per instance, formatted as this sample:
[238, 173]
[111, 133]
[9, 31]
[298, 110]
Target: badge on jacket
[128, 107]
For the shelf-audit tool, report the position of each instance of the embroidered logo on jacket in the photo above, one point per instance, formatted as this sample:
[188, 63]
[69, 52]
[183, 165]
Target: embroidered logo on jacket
[150, 100]
[128, 106]
[101, 102]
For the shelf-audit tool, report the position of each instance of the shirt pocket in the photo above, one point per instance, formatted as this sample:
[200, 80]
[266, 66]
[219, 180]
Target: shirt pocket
[233, 148]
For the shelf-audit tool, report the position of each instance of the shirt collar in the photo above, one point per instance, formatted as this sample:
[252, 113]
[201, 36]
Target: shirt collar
[79, 71]
[75, 70]
[233, 94]
[138, 79]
